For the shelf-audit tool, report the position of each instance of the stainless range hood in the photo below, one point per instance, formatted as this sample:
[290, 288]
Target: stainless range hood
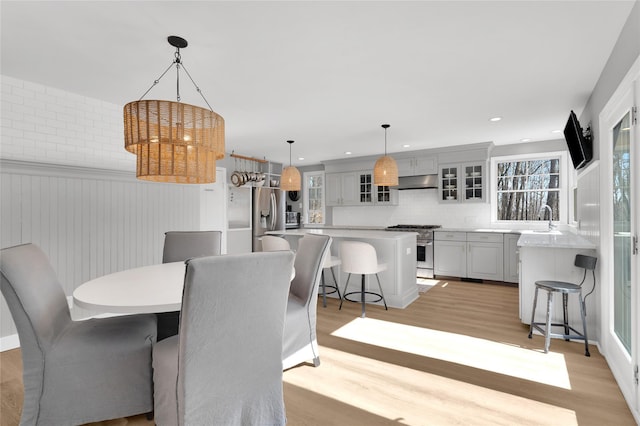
[418, 182]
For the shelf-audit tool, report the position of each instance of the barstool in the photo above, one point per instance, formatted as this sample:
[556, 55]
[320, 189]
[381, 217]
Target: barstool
[361, 258]
[565, 288]
[273, 243]
[329, 263]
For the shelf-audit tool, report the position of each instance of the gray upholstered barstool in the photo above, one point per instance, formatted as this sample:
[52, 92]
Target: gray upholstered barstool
[361, 258]
[588, 263]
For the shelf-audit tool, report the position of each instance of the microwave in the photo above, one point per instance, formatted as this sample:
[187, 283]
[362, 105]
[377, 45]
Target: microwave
[292, 220]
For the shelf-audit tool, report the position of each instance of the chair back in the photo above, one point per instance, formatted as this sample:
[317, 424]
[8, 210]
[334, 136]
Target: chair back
[273, 243]
[35, 297]
[358, 257]
[182, 245]
[310, 258]
[586, 262]
[230, 340]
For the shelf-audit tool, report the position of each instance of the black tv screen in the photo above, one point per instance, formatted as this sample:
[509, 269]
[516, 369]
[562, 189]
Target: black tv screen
[579, 145]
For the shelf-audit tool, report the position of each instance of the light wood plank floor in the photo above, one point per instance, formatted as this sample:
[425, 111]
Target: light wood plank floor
[458, 355]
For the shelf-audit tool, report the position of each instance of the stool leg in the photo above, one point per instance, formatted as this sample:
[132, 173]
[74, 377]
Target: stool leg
[583, 313]
[381, 293]
[565, 315]
[324, 291]
[362, 296]
[547, 331]
[336, 282]
[533, 312]
[344, 291]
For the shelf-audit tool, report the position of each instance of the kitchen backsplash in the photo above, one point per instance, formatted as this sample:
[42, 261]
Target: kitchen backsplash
[416, 207]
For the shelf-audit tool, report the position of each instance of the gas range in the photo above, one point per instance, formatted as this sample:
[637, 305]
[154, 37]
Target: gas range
[424, 249]
[425, 232]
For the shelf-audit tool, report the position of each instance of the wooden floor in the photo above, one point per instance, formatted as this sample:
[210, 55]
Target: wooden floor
[457, 356]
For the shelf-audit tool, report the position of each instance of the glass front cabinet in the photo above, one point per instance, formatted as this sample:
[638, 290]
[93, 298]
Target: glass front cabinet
[461, 183]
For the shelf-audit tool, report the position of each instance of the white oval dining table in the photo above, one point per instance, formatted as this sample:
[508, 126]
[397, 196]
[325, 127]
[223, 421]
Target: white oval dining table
[154, 288]
[148, 289]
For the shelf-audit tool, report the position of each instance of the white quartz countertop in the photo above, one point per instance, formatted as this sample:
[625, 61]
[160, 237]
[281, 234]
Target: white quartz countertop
[348, 233]
[494, 230]
[554, 239]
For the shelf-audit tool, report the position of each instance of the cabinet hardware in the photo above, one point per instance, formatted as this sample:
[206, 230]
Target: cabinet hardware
[634, 242]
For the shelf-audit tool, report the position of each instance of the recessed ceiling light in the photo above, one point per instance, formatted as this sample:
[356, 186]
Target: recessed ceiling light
[300, 158]
[525, 140]
[556, 131]
[495, 119]
[406, 145]
[347, 152]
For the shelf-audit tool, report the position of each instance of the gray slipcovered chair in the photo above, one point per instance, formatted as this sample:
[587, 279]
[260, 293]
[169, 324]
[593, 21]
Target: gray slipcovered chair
[300, 341]
[74, 372]
[178, 247]
[225, 365]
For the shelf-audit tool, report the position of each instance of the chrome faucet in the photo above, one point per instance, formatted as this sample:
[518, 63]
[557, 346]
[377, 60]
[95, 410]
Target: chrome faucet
[541, 216]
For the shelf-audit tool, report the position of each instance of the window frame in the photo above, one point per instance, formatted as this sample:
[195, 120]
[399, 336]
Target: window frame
[305, 196]
[564, 185]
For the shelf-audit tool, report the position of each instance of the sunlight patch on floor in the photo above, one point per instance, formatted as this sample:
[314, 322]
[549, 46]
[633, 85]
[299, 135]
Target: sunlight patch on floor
[549, 369]
[412, 397]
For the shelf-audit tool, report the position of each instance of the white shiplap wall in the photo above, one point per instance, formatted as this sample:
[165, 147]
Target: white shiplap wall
[89, 222]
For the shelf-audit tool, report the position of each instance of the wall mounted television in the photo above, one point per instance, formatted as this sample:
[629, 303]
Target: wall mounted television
[580, 144]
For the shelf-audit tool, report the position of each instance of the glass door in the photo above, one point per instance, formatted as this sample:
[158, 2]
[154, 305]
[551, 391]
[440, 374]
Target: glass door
[619, 259]
[622, 199]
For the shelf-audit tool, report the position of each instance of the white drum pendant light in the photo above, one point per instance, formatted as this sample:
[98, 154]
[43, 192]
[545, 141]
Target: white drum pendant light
[290, 179]
[174, 142]
[385, 172]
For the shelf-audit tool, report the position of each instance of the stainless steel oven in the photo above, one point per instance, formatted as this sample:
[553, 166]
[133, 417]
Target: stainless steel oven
[424, 247]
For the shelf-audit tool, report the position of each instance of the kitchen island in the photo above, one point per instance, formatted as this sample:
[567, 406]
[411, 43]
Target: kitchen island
[396, 249]
[550, 256]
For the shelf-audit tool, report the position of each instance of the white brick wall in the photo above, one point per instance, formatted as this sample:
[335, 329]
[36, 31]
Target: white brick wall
[48, 125]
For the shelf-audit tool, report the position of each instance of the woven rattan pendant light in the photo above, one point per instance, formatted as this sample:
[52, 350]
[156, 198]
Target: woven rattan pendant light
[290, 179]
[173, 141]
[385, 172]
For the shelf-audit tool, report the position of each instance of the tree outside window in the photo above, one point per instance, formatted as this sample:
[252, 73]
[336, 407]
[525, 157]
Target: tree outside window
[524, 187]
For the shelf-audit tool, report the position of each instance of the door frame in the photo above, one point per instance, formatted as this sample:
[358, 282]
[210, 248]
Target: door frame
[622, 365]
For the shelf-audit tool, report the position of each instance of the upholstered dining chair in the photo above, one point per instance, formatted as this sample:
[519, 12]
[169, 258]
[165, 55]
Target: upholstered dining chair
[74, 372]
[300, 341]
[225, 365]
[178, 247]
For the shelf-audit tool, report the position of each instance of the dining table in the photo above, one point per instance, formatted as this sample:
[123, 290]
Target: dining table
[146, 289]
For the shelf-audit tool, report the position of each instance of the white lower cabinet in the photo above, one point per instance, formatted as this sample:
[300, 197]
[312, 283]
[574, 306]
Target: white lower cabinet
[477, 255]
[450, 258]
[511, 258]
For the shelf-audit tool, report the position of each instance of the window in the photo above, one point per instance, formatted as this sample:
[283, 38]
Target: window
[522, 186]
[314, 197]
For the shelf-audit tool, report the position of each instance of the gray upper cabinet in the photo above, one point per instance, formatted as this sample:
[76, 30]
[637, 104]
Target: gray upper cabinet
[462, 182]
[357, 189]
[416, 166]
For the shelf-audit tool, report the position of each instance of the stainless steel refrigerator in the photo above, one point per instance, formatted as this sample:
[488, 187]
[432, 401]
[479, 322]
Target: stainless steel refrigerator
[268, 213]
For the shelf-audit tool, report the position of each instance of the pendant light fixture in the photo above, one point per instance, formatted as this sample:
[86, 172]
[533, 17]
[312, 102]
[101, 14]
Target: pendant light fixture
[290, 179]
[385, 172]
[173, 141]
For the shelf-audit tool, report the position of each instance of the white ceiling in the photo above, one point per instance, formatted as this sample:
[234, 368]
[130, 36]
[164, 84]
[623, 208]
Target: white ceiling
[328, 74]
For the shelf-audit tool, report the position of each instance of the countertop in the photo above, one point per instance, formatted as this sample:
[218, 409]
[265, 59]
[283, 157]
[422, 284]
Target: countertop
[363, 233]
[554, 239]
[493, 230]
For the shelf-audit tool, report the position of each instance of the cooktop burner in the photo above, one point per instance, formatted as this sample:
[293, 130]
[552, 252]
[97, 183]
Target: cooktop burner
[399, 227]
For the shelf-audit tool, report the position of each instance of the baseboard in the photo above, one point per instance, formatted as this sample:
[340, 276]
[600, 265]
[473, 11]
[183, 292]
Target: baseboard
[9, 342]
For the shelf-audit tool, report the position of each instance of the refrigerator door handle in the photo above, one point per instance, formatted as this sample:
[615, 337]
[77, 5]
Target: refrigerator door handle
[274, 213]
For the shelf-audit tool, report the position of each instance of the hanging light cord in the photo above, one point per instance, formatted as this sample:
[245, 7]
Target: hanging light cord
[385, 141]
[177, 61]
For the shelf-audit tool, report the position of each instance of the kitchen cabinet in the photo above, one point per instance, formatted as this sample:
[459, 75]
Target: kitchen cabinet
[450, 254]
[462, 182]
[416, 166]
[357, 189]
[511, 257]
[341, 189]
[477, 255]
[485, 256]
